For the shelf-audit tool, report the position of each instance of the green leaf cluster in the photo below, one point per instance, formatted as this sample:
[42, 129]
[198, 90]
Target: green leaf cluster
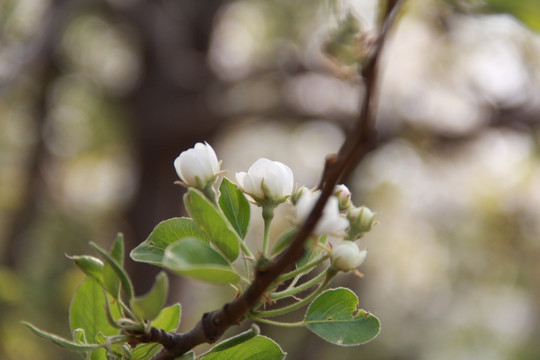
[108, 321]
[104, 315]
[205, 245]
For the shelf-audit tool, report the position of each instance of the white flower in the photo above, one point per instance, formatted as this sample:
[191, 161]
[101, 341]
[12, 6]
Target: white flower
[267, 180]
[344, 195]
[197, 166]
[346, 256]
[330, 223]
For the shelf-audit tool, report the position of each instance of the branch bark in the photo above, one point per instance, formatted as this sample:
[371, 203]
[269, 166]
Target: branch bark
[357, 145]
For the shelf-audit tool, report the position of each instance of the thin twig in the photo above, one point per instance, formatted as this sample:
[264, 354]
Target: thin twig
[359, 142]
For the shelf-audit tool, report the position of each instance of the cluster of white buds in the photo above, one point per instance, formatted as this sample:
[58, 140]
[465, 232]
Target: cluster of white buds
[349, 226]
[270, 183]
[331, 221]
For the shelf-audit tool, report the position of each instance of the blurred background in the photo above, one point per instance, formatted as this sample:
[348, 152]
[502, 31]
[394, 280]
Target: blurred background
[97, 98]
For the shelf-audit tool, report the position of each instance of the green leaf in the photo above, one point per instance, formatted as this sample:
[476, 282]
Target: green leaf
[87, 311]
[117, 271]
[117, 249]
[167, 320]
[334, 316]
[526, 11]
[165, 233]
[238, 339]
[311, 251]
[187, 356]
[147, 307]
[91, 266]
[235, 207]
[110, 278]
[212, 222]
[259, 348]
[62, 342]
[284, 241]
[99, 354]
[193, 258]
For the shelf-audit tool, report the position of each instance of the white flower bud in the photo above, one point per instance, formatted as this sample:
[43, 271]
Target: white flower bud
[361, 220]
[197, 166]
[344, 196]
[267, 180]
[330, 223]
[346, 256]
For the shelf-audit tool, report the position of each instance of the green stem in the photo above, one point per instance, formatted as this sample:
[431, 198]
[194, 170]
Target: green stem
[279, 323]
[245, 250]
[268, 215]
[127, 310]
[295, 290]
[301, 269]
[247, 255]
[209, 192]
[299, 304]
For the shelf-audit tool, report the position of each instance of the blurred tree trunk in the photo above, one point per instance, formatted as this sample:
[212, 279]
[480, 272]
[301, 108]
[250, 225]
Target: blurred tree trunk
[169, 111]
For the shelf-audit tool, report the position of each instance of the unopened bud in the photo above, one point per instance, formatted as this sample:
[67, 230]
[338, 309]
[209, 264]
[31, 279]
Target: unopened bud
[361, 221]
[346, 256]
[344, 196]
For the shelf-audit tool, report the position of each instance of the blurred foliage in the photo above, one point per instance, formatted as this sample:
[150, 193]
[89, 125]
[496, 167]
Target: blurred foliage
[453, 273]
[527, 11]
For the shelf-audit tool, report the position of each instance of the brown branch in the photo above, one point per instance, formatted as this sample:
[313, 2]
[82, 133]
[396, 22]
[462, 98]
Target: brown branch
[359, 142]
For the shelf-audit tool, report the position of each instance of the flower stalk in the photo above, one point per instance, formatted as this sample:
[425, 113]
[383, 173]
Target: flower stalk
[286, 309]
[268, 216]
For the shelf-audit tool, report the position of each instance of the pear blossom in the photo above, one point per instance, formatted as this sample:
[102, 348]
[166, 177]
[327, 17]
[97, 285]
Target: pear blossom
[347, 256]
[197, 166]
[330, 223]
[267, 180]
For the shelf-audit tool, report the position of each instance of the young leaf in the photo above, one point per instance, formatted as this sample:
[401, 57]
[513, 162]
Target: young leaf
[117, 249]
[60, 341]
[193, 258]
[87, 311]
[79, 336]
[165, 233]
[259, 347]
[168, 320]
[212, 222]
[311, 252]
[91, 266]
[110, 278]
[118, 271]
[334, 316]
[235, 206]
[147, 307]
[238, 339]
